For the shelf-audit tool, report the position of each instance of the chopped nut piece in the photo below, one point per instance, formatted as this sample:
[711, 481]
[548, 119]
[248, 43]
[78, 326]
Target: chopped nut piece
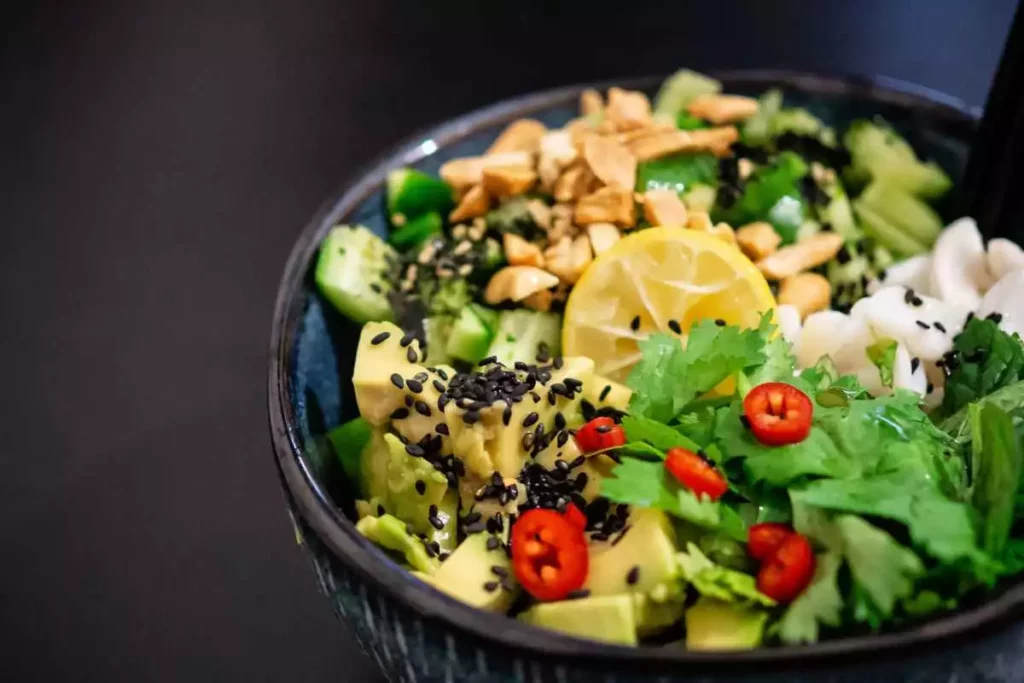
[568, 258]
[466, 172]
[822, 175]
[758, 240]
[610, 161]
[603, 237]
[699, 220]
[540, 212]
[539, 301]
[561, 222]
[607, 205]
[808, 292]
[719, 109]
[804, 255]
[517, 283]
[664, 207]
[574, 182]
[745, 167]
[520, 136]
[508, 181]
[724, 232]
[591, 102]
[627, 109]
[664, 142]
[519, 252]
[556, 153]
[475, 203]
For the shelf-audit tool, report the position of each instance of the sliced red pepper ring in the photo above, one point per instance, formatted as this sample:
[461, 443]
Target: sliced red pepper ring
[787, 572]
[600, 433]
[576, 517]
[695, 473]
[765, 538]
[549, 554]
[778, 413]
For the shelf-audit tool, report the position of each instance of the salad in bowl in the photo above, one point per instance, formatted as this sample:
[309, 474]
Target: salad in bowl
[698, 371]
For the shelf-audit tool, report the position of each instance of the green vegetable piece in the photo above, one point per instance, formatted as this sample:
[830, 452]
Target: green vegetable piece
[350, 273]
[883, 354]
[606, 618]
[659, 435]
[686, 122]
[466, 575]
[887, 233]
[820, 603]
[720, 583]
[700, 197]
[772, 193]
[678, 172]
[390, 532]
[715, 625]
[878, 152]
[680, 89]
[759, 128]
[514, 216]
[417, 230]
[405, 472]
[986, 360]
[1010, 399]
[469, 337]
[411, 193]
[885, 569]
[996, 463]
[522, 333]
[348, 441]
[911, 216]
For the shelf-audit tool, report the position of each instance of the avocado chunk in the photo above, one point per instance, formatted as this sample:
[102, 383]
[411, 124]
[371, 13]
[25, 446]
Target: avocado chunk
[390, 532]
[376, 395]
[643, 564]
[407, 477]
[478, 576]
[716, 625]
[608, 618]
[602, 392]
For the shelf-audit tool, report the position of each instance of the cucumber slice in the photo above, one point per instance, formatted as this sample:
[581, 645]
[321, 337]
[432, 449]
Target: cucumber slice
[437, 329]
[469, 338]
[521, 333]
[488, 316]
[758, 128]
[878, 151]
[417, 230]
[351, 273]
[412, 192]
[885, 233]
[915, 218]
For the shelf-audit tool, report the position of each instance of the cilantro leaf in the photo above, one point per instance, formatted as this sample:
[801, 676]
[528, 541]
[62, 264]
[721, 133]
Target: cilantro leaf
[985, 359]
[820, 603]
[668, 378]
[659, 435]
[779, 363]
[883, 354]
[883, 568]
[996, 463]
[721, 583]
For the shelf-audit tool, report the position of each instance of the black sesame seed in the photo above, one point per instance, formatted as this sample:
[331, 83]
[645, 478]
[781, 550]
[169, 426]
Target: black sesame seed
[562, 465]
[422, 408]
[995, 317]
[499, 571]
[939, 326]
[882, 275]
[415, 450]
[399, 413]
[407, 339]
[908, 296]
[409, 400]
[415, 386]
[578, 462]
[531, 420]
[442, 429]
[381, 511]
[442, 374]
[581, 481]
[506, 415]
[930, 388]
[488, 361]
[558, 363]
[559, 388]
[634, 324]
[674, 326]
[471, 417]
[443, 556]
[493, 543]
[633, 576]
[843, 255]
[970, 316]
[578, 594]
[603, 429]
[527, 441]
[430, 549]
[410, 355]
[563, 438]
[396, 379]
[421, 487]
[436, 522]
[923, 325]
[380, 338]
[604, 392]
[475, 528]
[491, 586]
[442, 401]
[496, 480]
[914, 364]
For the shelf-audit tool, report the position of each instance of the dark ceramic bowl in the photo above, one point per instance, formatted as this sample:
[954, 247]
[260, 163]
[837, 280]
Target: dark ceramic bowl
[417, 634]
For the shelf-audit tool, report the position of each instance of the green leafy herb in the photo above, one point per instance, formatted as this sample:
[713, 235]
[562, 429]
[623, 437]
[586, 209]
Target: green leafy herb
[883, 568]
[883, 354]
[986, 359]
[678, 172]
[721, 583]
[655, 433]
[996, 464]
[820, 603]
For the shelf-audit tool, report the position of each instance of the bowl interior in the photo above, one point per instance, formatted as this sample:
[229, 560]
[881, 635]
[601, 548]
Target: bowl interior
[313, 347]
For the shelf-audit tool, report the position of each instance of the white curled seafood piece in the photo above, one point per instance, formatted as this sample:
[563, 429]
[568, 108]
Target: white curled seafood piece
[959, 265]
[1003, 258]
[905, 373]
[787, 317]
[1006, 298]
[820, 336]
[915, 272]
[926, 325]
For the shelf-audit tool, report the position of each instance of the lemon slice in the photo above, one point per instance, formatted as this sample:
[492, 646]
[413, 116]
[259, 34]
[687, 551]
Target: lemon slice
[663, 277]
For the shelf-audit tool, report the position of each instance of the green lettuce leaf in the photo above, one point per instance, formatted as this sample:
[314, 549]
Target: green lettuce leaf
[659, 435]
[820, 603]
[721, 583]
[996, 464]
[883, 568]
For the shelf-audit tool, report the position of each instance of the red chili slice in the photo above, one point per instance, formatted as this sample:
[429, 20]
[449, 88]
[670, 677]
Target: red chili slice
[695, 473]
[549, 554]
[765, 538]
[786, 573]
[576, 517]
[778, 413]
[600, 433]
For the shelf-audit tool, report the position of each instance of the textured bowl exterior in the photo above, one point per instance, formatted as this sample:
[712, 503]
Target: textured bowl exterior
[417, 634]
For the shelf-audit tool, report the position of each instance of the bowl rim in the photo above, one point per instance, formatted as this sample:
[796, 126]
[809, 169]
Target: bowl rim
[338, 532]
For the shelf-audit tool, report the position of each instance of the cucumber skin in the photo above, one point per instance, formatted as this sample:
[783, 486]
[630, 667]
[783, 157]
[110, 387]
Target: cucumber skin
[412, 192]
[469, 337]
[333, 268]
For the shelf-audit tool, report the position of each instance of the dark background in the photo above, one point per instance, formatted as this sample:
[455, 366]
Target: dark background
[157, 160]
